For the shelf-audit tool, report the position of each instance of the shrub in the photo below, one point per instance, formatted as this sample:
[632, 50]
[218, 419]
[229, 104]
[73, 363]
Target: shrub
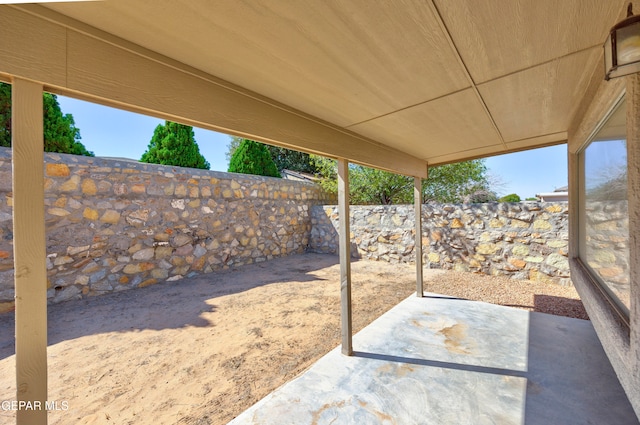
[512, 197]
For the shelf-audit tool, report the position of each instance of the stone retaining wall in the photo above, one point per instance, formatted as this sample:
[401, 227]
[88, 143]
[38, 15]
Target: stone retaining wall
[526, 240]
[117, 224]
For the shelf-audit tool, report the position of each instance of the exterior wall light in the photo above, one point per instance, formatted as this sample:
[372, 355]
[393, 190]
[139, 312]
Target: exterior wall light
[622, 49]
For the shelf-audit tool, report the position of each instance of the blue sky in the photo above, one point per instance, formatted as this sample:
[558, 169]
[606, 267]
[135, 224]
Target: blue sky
[117, 133]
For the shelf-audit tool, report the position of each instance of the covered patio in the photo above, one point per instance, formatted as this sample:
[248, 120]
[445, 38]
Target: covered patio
[400, 85]
[442, 360]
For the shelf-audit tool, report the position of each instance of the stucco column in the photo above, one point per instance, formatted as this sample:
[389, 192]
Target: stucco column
[633, 191]
[29, 250]
[345, 256]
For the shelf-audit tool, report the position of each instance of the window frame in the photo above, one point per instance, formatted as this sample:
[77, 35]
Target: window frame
[621, 310]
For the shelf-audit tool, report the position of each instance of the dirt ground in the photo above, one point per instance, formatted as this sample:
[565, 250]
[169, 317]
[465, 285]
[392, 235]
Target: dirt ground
[202, 350]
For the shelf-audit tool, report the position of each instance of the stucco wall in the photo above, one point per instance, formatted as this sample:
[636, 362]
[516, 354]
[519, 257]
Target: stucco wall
[114, 225]
[525, 240]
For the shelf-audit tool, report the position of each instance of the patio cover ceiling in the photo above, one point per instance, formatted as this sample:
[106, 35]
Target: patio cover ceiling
[392, 84]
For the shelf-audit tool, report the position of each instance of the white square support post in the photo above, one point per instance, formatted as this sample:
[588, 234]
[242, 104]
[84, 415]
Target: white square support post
[344, 242]
[417, 201]
[29, 250]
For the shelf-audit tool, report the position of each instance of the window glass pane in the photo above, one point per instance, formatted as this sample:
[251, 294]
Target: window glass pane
[605, 224]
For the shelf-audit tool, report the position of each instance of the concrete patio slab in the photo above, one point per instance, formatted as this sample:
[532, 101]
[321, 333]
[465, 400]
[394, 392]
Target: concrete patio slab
[440, 360]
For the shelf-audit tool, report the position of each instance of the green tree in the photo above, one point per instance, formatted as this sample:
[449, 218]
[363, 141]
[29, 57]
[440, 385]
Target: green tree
[5, 115]
[288, 159]
[60, 132]
[512, 197]
[327, 170]
[377, 187]
[453, 183]
[232, 146]
[174, 144]
[253, 158]
[285, 159]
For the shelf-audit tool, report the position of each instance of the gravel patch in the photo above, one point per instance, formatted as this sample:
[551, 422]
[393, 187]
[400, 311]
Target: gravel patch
[524, 294]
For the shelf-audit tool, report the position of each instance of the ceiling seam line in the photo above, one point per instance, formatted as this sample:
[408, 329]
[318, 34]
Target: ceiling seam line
[510, 150]
[537, 137]
[186, 69]
[540, 64]
[407, 107]
[456, 52]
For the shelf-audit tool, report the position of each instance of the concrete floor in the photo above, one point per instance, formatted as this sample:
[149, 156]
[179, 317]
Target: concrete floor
[440, 360]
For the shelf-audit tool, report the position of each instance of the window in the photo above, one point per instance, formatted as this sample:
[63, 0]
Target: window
[604, 218]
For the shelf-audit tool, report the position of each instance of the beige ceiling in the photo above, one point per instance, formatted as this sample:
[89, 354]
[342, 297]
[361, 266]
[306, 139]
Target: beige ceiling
[441, 80]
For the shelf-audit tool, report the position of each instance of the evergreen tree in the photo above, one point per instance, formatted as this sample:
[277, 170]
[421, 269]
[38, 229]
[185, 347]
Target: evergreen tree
[285, 159]
[60, 132]
[5, 115]
[174, 144]
[253, 158]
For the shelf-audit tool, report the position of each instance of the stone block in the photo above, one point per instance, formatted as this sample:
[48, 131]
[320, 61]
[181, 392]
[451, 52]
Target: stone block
[184, 250]
[520, 250]
[517, 263]
[70, 185]
[558, 261]
[163, 252]
[542, 225]
[144, 254]
[159, 273]
[110, 217]
[180, 190]
[497, 223]
[487, 248]
[180, 240]
[89, 187]
[90, 214]
[57, 170]
[456, 223]
[138, 268]
[148, 282]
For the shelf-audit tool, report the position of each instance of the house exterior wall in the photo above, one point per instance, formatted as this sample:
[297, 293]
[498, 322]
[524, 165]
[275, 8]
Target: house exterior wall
[620, 335]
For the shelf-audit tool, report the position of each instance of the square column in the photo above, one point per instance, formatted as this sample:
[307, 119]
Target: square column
[29, 250]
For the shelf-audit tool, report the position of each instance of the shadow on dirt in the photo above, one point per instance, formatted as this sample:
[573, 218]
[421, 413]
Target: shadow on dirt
[166, 305]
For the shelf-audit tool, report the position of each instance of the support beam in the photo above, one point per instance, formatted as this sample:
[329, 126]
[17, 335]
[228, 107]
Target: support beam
[29, 249]
[345, 257]
[417, 202]
[81, 61]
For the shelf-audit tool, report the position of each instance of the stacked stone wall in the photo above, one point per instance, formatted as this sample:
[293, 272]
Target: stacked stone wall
[525, 240]
[116, 224]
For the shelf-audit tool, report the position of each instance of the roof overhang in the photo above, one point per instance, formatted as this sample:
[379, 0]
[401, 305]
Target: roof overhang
[397, 86]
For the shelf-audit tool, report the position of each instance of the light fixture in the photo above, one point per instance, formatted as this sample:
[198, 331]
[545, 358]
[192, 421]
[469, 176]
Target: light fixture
[622, 49]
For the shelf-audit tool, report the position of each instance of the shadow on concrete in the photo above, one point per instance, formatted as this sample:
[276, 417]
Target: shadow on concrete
[166, 305]
[440, 364]
[569, 377]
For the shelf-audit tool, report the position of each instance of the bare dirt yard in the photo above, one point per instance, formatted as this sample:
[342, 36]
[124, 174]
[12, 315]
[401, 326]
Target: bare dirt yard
[202, 350]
